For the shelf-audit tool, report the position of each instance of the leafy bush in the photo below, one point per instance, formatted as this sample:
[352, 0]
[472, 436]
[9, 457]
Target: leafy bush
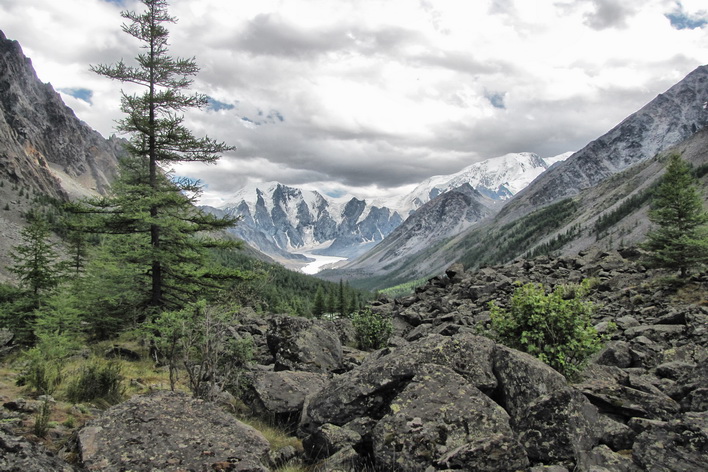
[199, 339]
[97, 380]
[372, 329]
[554, 327]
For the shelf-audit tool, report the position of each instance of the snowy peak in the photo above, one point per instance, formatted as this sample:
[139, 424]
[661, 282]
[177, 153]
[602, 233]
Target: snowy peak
[282, 220]
[498, 178]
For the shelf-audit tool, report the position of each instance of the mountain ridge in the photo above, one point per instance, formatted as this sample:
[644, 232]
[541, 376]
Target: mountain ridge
[675, 121]
[285, 221]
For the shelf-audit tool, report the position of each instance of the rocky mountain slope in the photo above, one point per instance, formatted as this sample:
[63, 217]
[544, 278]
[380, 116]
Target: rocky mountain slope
[446, 215]
[439, 396]
[598, 194]
[286, 222]
[45, 150]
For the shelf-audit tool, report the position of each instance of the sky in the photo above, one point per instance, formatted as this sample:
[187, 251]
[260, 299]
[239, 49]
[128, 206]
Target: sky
[370, 97]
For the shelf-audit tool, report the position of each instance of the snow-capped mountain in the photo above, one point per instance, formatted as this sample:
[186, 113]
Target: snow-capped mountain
[498, 178]
[286, 222]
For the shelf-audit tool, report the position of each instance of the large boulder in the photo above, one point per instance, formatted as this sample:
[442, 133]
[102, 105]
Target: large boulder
[680, 445]
[281, 395]
[170, 431]
[440, 418]
[17, 454]
[367, 390]
[558, 426]
[304, 345]
[522, 379]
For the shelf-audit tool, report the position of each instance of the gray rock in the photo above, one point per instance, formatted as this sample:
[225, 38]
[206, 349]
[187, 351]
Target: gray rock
[170, 431]
[697, 400]
[558, 426]
[603, 459]
[19, 455]
[329, 439]
[344, 460]
[618, 436]
[281, 395]
[522, 379]
[305, 345]
[615, 353]
[6, 338]
[367, 390]
[440, 417]
[680, 445]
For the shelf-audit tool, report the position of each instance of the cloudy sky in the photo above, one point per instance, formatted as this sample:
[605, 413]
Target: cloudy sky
[372, 96]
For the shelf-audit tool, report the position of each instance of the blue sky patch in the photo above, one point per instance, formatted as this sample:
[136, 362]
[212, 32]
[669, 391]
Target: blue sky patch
[80, 93]
[336, 193]
[216, 105]
[497, 100]
[682, 21]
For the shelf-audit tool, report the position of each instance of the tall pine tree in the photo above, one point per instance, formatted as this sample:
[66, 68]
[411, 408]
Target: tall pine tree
[148, 203]
[680, 240]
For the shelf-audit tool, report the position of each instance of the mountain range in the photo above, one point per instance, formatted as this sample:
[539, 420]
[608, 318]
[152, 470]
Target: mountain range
[288, 223]
[517, 205]
[599, 196]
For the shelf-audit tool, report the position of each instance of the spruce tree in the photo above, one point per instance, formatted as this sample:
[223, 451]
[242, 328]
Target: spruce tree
[318, 308]
[148, 202]
[36, 262]
[680, 240]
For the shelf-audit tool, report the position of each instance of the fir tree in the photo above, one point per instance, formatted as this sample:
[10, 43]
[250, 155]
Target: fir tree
[318, 308]
[36, 262]
[680, 240]
[148, 202]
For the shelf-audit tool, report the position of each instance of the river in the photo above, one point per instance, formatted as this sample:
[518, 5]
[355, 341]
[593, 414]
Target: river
[320, 262]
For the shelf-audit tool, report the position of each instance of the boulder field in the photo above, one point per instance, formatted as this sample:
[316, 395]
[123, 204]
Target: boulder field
[440, 397]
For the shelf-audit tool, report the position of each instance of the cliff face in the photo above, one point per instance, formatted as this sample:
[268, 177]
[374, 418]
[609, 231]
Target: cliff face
[45, 150]
[42, 142]
[669, 119]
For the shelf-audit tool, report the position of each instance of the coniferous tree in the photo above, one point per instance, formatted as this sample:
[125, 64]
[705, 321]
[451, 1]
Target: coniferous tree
[148, 203]
[680, 240]
[36, 262]
[318, 308]
[341, 299]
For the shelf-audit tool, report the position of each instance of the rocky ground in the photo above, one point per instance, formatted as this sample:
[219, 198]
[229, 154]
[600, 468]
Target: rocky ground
[441, 397]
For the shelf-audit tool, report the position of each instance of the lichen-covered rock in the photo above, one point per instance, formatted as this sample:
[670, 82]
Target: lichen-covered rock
[19, 455]
[558, 426]
[170, 431]
[328, 439]
[304, 345]
[439, 417]
[680, 445]
[281, 395]
[603, 459]
[367, 390]
[523, 379]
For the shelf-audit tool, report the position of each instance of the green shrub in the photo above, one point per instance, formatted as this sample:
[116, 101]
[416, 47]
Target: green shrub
[372, 329]
[41, 420]
[43, 371]
[97, 380]
[554, 327]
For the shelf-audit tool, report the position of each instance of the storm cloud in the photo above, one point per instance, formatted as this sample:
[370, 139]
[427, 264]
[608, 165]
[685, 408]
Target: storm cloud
[372, 96]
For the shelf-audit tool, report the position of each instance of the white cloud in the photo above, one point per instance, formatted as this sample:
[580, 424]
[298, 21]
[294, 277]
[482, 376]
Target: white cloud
[379, 94]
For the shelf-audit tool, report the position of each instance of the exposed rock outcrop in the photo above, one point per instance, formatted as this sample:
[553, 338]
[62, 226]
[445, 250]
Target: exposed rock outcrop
[445, 399]
[17, 454]
[170, 431]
